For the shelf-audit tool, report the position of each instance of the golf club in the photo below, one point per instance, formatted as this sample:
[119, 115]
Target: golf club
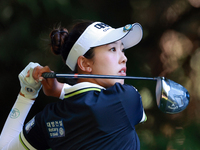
[171, 97]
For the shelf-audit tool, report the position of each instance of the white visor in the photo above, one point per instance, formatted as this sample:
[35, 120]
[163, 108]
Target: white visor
[98, 34]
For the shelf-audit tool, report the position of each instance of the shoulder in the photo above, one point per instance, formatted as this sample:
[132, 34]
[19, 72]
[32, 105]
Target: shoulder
[124, 89]
[118, 86]
[118, 95]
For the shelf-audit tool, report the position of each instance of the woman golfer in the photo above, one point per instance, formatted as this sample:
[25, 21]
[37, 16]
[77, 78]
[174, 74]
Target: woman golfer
[95, 114]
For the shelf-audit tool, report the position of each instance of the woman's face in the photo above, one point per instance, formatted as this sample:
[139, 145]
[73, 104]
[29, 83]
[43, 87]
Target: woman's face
[109, 60]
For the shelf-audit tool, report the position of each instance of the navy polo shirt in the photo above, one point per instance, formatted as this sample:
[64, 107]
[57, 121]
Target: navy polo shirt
[89, 117]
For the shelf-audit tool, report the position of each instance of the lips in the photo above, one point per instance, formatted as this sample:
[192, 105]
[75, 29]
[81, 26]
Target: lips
[122, 72]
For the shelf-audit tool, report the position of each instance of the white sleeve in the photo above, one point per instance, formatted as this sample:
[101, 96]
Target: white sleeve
[15, 120]
[144, 117]
[15, 144]
[62, 94]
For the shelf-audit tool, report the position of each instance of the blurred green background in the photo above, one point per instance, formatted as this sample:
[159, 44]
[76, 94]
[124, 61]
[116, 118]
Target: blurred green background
[170, 47]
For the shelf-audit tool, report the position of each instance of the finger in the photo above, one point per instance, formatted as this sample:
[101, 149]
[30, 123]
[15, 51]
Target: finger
[47, 83]
[28, 73]
[36, 72]
[41, 79]
[43, 70]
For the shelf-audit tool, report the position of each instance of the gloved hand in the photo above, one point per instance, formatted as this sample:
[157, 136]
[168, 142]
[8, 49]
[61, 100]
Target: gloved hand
[29, 87]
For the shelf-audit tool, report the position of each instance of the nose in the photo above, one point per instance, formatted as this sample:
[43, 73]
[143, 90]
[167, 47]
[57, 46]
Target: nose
[123, 58]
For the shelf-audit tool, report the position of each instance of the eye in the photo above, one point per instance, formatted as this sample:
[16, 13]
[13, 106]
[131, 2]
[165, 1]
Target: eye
[113, 49]
[123, 50]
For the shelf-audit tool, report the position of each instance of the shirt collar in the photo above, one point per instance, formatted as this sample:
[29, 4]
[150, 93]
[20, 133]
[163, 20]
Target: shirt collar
[82, 85]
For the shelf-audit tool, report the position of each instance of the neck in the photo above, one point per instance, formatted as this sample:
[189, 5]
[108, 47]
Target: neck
[85, 79]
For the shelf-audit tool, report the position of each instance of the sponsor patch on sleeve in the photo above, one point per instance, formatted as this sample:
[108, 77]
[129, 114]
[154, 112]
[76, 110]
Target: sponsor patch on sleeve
[55, 128]
[30, 125]
[15, 113]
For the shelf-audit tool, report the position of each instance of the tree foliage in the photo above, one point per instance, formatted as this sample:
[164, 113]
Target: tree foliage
[170, 47]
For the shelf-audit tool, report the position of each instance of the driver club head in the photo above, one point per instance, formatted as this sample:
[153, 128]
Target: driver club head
[171, 97]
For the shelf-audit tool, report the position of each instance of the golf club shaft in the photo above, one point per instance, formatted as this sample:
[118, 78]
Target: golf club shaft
[55, 75]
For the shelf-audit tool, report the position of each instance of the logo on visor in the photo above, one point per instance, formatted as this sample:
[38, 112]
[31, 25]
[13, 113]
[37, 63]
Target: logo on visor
[127, 27]
[101, 25]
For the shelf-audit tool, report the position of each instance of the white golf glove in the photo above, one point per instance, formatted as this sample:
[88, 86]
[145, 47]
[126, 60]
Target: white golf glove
[29, 87]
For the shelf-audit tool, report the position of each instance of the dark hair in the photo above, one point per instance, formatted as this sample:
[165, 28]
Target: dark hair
[62, 41]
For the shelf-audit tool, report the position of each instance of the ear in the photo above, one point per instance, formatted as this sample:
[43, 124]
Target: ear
[84, 64]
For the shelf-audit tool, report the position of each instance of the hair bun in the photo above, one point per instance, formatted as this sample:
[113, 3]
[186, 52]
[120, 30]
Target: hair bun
[58, 37]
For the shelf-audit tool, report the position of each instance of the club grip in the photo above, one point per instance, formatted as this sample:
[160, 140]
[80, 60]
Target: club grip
[49, 75]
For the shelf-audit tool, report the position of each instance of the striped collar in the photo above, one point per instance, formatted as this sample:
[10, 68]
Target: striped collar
[81, 88]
